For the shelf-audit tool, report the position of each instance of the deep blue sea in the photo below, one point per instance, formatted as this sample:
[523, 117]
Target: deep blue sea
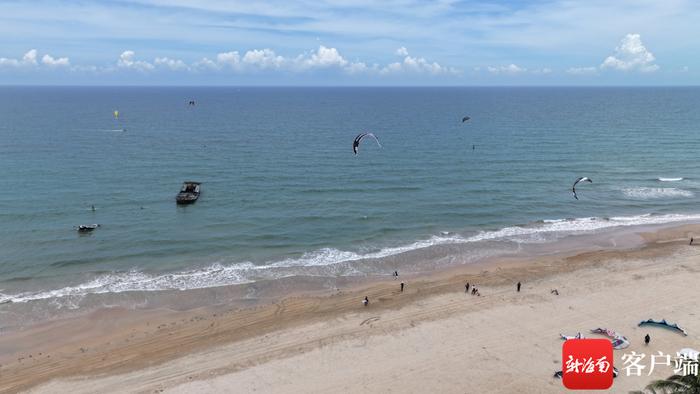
[283, 194]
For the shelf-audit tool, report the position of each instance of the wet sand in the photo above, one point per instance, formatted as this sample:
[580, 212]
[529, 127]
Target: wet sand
[431, 337]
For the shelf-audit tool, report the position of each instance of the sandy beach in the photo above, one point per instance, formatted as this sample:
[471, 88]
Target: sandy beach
[432, 337]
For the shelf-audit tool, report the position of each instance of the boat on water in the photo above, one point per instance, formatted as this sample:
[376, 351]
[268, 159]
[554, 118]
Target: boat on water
[87, 228]
[189, 193]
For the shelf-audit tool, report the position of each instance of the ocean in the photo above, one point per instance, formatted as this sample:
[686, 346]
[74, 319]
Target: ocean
[284, 196]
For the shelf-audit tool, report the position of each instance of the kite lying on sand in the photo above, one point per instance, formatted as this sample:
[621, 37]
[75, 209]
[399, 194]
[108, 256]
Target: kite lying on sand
[619, 341]
[567, 337]
[662, 323]
[559, 374]
[358, 139]
[581, 179]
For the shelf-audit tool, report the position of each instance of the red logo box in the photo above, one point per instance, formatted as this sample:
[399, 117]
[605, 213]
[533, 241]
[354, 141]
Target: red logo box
[587, 364]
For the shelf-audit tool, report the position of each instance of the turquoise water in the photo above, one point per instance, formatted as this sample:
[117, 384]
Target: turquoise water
[283, 194]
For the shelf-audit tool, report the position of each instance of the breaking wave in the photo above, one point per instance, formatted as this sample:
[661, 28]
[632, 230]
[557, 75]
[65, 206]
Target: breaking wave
[669, 179]
[653, 193]
[245, 272]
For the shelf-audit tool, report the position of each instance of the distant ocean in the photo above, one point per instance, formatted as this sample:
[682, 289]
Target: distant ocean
[283, 194]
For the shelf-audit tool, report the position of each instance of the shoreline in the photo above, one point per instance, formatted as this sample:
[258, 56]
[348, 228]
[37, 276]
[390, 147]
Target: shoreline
[322, 280]
[110, 342]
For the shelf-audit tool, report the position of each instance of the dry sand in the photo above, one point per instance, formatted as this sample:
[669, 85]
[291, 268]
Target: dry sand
[431, 338]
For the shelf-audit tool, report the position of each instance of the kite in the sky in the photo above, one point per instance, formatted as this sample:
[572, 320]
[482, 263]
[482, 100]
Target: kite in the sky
[581, 179]
[358, 139]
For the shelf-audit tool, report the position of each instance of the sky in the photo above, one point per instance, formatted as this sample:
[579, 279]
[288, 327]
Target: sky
[346, 42]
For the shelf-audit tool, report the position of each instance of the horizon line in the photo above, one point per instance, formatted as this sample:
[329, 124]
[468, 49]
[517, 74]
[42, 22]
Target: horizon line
[340, 86]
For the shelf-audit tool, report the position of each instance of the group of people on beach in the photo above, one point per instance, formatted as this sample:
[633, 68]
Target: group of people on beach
[395, 274]
[475, 291]
[467, 286]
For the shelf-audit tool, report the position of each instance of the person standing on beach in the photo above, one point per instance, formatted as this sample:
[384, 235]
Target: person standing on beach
[396, 275]
[647, 339]
[518, 287]
[365, 302]
[466, 288]
[402, 284]
[691, 241]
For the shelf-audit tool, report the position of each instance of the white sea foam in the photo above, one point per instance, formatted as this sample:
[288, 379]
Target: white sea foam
[670, 179]
[653, 193]
[246, 272]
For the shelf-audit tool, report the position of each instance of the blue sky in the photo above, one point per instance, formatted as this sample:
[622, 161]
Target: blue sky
[345, 42]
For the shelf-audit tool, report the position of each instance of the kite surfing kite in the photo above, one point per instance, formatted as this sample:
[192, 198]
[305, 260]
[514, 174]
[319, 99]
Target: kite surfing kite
[619, 341]
[466, 118]
[358, 139]
[567, 337]
[581, 179]
[663, 323]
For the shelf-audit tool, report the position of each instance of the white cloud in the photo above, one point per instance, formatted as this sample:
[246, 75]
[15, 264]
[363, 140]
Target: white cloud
[55, 62]
[325, 57]
[263, 59]
[205, 63]
[29, 59]
[415, 65]
[231, 59]
[582, 70]
[630, 55]
[253, 60]
[172, 64]
[126, 60]
[357, 68]
[511, 69]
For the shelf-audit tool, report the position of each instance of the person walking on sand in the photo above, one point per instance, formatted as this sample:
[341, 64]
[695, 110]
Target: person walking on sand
[518, 287]
[691, 241]
[647, 339]
[466, 288]
[396, 275]
[365, 302]
[402, 284]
